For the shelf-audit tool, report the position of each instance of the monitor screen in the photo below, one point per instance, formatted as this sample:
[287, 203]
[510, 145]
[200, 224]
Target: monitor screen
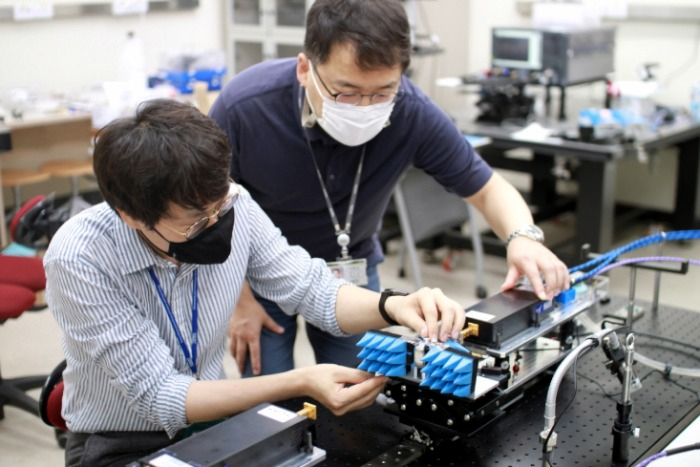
[516, 48]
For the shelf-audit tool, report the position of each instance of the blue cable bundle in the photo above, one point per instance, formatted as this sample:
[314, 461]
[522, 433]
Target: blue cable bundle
[605, 259]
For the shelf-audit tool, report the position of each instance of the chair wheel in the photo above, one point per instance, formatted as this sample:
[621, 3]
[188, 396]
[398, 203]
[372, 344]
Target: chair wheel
[481, 291]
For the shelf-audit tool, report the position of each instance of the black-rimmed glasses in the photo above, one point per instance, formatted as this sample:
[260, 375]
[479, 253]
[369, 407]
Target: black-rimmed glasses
[354, 98]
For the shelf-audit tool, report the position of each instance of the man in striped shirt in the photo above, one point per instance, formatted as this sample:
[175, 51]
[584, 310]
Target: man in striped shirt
[143, 286]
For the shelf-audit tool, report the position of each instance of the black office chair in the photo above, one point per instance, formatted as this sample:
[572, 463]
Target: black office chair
[425, 209]
[51, 403]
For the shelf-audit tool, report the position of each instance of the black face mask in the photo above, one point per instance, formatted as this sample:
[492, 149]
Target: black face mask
[213, 246]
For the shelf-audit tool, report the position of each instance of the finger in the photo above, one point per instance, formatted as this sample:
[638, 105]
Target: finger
[428, 308]
[272, 325]
[452, 325]
[361, 394]
[533, 275]
[448, 314]
[240, 355]
[550, 281]
[511, 278]
[254, 352]
[232, 347]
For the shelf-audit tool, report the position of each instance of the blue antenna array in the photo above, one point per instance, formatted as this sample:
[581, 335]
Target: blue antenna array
[448, 368]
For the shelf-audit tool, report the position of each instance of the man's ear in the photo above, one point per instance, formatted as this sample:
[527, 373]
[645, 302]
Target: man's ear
[302, 69]
[130, 221]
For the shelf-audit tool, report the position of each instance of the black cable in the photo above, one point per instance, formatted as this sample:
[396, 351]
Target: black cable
[667, 453]
[672, 381]
[558, 417]
[609, 395]
[669, 348]
[690, 447]
[666, 339]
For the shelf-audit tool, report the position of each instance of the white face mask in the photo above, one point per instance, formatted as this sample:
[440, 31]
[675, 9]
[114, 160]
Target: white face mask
[351, 125]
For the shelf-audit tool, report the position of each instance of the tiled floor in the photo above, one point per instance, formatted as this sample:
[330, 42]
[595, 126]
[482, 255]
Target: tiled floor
[31, 344]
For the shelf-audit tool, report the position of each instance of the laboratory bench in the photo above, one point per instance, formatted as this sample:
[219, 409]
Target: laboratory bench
[595, 171]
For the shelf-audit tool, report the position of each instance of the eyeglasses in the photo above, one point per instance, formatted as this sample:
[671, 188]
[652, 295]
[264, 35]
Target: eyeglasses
[202, 224]
[354, 98]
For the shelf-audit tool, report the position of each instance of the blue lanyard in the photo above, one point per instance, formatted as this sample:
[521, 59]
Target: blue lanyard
[191, 359]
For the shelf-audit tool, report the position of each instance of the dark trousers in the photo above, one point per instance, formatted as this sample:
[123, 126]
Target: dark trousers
[113, 449]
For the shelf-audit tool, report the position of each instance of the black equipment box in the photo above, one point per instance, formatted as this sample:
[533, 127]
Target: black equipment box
[502, 316]
[266, 435]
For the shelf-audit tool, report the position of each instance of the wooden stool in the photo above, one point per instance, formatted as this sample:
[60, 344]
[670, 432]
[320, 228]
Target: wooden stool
[16, 179]
[73, 169]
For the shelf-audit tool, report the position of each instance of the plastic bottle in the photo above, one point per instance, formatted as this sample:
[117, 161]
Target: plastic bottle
[695, 102]
[132, 62]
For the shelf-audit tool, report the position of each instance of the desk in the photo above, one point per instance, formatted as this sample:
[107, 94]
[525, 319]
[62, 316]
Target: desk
[661, 410]
[596, 176]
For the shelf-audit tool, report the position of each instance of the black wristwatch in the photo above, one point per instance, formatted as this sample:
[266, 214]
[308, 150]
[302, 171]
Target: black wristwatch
[386, 293]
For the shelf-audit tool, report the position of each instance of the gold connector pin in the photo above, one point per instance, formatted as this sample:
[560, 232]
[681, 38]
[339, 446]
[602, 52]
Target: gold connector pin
[472, 329]
[309, 411]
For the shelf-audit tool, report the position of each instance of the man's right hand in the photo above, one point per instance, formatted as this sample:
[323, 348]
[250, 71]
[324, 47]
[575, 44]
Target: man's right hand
[244, 330]
[340, 389]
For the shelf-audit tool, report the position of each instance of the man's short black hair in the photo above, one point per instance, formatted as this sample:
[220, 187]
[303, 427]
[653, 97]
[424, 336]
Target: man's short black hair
[169, 152]
[378, 29]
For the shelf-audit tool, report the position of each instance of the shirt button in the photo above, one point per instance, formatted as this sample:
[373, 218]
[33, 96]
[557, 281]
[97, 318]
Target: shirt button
[332, 177]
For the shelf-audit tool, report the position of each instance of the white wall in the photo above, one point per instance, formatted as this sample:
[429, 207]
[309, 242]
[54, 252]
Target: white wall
[69, 54]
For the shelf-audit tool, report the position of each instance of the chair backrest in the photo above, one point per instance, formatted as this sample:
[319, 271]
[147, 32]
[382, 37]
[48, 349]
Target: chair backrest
[51, 399]
[430, 207]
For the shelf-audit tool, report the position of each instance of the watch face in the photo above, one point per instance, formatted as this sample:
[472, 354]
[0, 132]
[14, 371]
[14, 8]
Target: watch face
[535, 232]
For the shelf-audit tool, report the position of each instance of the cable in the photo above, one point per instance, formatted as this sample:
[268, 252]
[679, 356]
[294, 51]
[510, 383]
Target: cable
[603, 260]
[667, 368]
[648, 259]
[666, 339]
[568, 404]
[667, 377]
[607, 394]
[669, 452]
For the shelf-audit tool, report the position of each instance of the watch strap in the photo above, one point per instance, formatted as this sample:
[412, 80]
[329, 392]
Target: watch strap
[386, 293]
[530, 231]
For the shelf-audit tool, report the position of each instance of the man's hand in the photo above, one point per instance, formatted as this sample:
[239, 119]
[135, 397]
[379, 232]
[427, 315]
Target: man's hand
[244, 330]
[533, 260]
[341, 389]
[429, 312]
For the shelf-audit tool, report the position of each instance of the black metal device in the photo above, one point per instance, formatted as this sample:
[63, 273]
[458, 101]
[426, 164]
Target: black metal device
[502, 316]
[514, 338]
[267, 435]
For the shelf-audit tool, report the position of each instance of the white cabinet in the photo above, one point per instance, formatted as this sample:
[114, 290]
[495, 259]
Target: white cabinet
[258, 30]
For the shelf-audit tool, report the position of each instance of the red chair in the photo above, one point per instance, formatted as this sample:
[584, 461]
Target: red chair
[23, 271]
[15, 300]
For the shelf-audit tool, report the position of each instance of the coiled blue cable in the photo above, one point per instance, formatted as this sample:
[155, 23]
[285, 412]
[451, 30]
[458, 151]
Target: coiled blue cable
[605, 259]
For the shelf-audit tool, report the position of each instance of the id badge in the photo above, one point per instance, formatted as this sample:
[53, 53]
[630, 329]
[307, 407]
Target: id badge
[352, 270]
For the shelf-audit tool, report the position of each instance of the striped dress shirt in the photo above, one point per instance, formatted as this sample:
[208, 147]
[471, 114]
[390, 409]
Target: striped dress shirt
[126, 370]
